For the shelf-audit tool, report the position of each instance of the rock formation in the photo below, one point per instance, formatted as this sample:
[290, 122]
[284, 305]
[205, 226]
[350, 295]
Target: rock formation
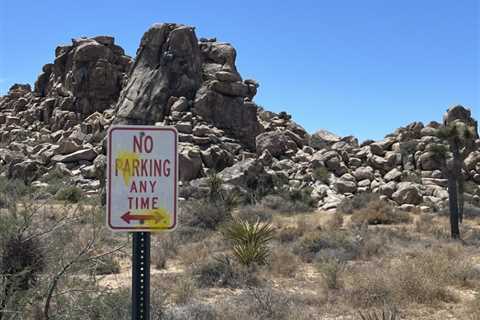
[178, 80]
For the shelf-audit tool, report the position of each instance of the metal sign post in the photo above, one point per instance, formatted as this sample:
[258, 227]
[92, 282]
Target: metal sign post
[142, 179]
[141, 276]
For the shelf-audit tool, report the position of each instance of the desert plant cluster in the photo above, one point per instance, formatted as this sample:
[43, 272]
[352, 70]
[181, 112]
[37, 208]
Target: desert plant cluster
[232, 260]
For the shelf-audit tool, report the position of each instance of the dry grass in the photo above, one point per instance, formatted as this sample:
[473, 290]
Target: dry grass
[283, 263]
[379, 212]
[419, 277]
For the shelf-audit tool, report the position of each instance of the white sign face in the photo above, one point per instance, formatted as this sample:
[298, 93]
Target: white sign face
[142, 173]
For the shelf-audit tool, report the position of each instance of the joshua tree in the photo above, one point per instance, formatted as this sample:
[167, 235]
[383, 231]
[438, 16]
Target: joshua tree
[460, 140]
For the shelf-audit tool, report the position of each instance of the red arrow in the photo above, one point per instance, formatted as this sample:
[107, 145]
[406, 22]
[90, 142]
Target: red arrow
[127, 217]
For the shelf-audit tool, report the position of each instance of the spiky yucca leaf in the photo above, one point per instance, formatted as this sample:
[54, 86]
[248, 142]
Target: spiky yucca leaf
[383, 315]
[249, 240]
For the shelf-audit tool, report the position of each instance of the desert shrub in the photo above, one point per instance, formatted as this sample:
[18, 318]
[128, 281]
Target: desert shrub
[322, 174]
[197, 311]
[335, 222]
[331, 269]
[164, 247]
[71, 194]
[379, 212]
[107, 265]
[223, 272]
[12, 190]
[56, 180]
[252, 213]
[372, 244]
[288, 234]
[22, 261]
[424, 278]
[357, 202]
[369, 289]
[425, 224]
[420, 277]
[340, 244]
[203, 214]
[290, 201]
[183, 291]
[249, 241]
[194, 253]
[159, 258]
[268, 304]
[106, 304]
[284, 263]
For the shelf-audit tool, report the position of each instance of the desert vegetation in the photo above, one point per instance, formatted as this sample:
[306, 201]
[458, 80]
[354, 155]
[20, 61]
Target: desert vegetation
[225, 261]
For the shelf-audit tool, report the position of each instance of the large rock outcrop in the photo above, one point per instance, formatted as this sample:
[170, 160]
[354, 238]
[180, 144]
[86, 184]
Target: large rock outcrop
[86, 76]
[171, 64]
[193, 85]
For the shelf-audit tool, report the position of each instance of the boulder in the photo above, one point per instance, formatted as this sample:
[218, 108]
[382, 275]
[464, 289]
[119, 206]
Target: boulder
[80, 155]
[232, 114]
[323, 138]
[345, 186]
[248, 173]
[217, 158]
[168, 63]
[190, 161]
[275, 142]
[393, 175]
[429, 161]
[27, 171]
[407, 193]
[363, 173]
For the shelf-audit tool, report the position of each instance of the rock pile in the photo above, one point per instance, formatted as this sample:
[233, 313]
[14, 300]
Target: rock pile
[178, 80]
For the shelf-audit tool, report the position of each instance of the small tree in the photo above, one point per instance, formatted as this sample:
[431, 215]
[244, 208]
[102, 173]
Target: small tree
[460, 140]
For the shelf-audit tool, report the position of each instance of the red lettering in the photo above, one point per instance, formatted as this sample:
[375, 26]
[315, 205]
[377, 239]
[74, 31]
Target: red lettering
[133, 187]
[157, 171]
[154, 202]
[148, 144]
[152, 186]
[144, 203]
[143, 186]
[137, 144]
[143, 166]
[166, 168]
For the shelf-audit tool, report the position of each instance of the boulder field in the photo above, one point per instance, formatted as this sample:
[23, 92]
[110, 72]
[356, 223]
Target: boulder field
[193, 84]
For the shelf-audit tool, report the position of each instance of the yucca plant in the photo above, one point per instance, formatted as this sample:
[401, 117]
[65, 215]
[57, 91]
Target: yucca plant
[385, 314]
[249, 241]
[214, 182]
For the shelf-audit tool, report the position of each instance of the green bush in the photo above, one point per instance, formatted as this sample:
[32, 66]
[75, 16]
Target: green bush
[357, 202]
[249, 241]
[322, 174]
[379, 212]
[223, 272]
[70, 194]
[203, 214]
[335, 243]
[331, 269]
[291, 201]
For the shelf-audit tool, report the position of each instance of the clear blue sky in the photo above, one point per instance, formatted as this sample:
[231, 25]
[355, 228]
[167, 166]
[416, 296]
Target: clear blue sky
[352, 67]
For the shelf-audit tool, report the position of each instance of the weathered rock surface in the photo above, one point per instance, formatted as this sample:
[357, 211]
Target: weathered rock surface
[194, 86]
